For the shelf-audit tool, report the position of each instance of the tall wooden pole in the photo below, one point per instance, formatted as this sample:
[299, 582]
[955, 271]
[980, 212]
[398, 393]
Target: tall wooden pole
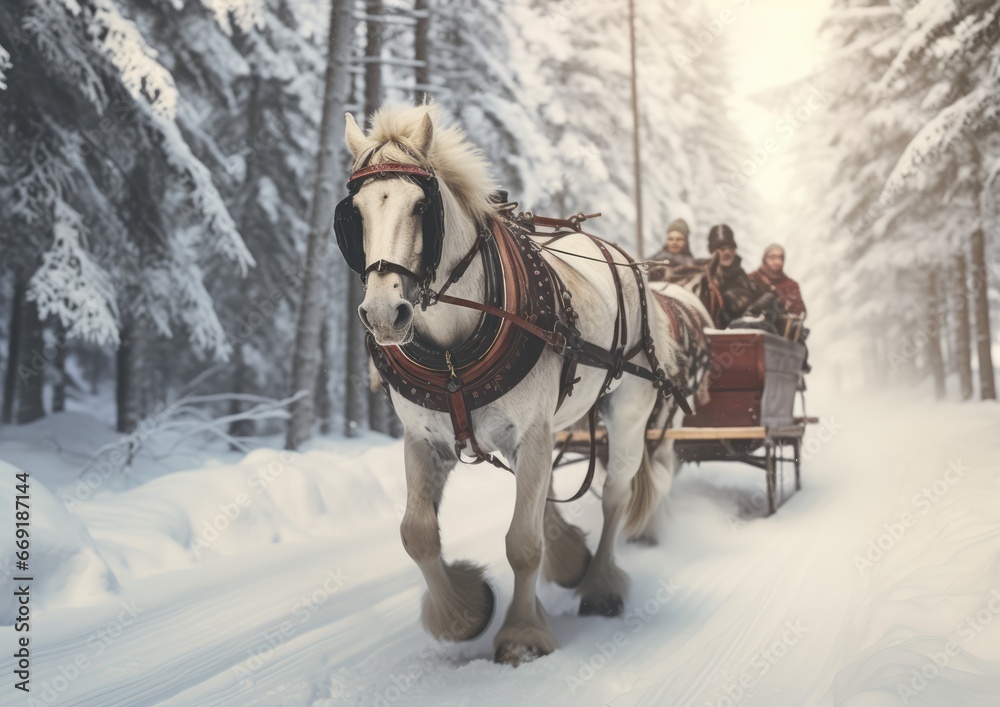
[635, 133]
[421, 50]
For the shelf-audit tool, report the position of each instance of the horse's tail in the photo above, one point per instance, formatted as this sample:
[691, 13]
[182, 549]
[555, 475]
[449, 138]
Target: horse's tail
[644, 497]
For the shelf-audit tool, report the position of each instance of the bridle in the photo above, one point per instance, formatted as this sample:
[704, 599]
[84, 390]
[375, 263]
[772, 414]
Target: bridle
[349, 228]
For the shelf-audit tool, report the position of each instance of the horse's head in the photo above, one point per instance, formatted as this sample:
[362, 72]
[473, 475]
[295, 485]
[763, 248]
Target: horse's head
[415, 179]
[394, 212]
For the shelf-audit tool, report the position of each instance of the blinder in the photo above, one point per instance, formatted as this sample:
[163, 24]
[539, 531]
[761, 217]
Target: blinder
[350, 229]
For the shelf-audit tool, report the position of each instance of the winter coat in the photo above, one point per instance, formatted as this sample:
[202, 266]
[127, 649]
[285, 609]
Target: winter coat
[738, 292]
[783, 286]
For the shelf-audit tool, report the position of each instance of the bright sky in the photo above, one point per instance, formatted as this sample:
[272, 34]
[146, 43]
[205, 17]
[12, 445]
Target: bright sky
[775, 42]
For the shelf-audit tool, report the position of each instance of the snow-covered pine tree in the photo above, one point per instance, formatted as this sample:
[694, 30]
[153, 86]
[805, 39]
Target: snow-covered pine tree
[902, 144]
[108, 171]
[545, 95]
[948, 63]
[248, 90]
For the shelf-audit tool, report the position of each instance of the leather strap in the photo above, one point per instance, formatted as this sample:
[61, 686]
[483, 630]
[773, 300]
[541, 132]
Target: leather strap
[620, 338]
[591, 467]
[390, 168]
[553, 339]
[389, 266]
[572, 222]
[463, 264]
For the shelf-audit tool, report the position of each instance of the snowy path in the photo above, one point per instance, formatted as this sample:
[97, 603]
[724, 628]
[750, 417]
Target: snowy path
[292, 607]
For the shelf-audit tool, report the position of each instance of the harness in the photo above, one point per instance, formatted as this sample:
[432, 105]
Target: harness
[527, 308]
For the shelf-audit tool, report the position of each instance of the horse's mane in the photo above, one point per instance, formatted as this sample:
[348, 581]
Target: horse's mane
[460, 166]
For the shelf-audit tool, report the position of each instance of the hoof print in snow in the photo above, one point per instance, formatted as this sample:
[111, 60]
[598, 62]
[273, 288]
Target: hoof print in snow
[602, 605]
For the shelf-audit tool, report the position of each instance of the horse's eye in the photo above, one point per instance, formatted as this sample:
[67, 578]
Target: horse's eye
[420, 207]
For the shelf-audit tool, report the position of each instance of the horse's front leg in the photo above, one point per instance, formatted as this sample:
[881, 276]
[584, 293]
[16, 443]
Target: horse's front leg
[459, 603]
[525, 633]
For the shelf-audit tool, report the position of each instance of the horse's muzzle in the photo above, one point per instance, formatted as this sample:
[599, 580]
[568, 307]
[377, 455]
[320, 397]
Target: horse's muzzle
[385, 311]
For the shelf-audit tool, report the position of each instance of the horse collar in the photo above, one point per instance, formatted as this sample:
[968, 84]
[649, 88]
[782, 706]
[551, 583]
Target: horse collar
[499, 354]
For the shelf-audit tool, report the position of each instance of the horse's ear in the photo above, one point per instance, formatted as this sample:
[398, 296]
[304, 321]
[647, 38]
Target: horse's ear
[353, 135]
[424, 135]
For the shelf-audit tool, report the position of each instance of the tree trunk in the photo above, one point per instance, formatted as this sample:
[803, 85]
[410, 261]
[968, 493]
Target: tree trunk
[378, 419]
[981, 303]
[14, 349]
[316, 273]
[59, 386]
[324, 402]
[936, 359]
[421, 50]
[239, 428]
[356, 391]
[94, 367]
[31, 370]
[124, 380]
[963, 332]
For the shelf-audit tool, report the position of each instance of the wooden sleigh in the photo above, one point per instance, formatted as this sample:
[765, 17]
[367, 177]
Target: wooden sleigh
[753, 381]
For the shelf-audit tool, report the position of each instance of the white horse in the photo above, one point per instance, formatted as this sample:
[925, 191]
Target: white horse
[458, 604]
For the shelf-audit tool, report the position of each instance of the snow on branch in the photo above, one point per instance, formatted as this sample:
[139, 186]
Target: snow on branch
[141, 73]
[52, 24]
[71, 286]
[186, 418]
[197, 310]
[244, 13]
[4, 66]
[175, 292]
[924, 23]
[937, 136]
[206, 201]
[39, 179]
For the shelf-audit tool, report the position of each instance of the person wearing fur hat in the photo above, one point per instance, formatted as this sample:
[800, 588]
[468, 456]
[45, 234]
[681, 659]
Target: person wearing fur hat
[739, 293]
[677, 249]
[771, 276]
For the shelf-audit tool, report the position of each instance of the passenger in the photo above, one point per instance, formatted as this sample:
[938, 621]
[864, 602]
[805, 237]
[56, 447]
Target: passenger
[677, 250]
[739, 293]
[770, 276]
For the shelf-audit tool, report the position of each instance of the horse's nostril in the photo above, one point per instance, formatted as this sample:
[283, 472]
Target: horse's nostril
[404, 313]
[363, 313]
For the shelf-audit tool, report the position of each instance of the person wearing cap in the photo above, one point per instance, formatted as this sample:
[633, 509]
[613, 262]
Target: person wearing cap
[770, 276]
[677, 249]
[739, 293]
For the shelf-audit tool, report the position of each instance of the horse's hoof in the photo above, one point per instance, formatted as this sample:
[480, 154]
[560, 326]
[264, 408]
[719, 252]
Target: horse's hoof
[514, 654]
[522, 643]
[602, 605]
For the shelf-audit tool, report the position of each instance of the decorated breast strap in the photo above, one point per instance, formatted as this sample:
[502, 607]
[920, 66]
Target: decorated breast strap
[491, 366]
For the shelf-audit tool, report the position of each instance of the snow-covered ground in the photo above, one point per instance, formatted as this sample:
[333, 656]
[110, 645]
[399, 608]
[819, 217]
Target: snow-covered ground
[279, 579]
